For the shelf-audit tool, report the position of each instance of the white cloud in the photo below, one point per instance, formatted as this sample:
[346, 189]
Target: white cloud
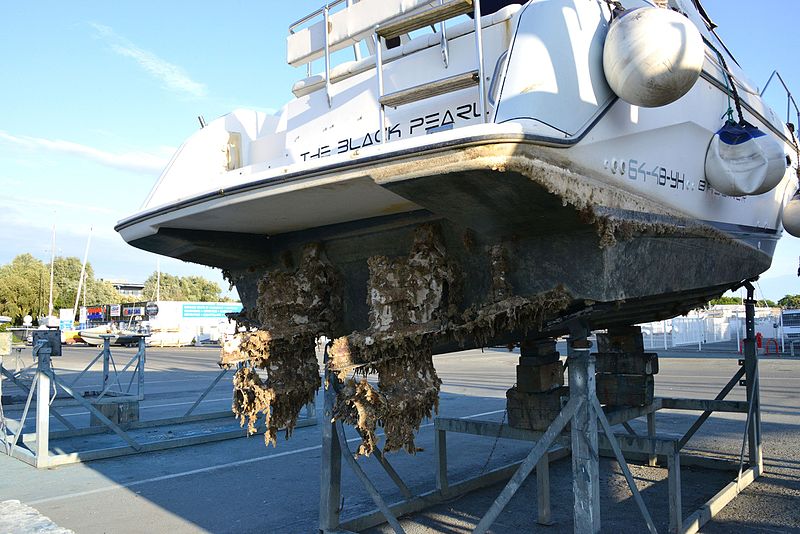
[32, 215]
[172, 76]
[128, 161]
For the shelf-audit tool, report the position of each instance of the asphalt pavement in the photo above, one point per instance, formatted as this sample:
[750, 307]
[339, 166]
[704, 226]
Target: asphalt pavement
[241, 485]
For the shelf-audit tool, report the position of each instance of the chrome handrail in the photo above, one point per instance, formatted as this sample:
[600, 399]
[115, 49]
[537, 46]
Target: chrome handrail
[318, 12]
[789, 98]
[476, 5]
[325, 12]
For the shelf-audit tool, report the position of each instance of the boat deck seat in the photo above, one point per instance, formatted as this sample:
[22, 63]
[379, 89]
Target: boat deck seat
[351, 68]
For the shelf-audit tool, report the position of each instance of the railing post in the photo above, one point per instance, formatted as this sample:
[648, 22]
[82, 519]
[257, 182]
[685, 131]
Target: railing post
[544, 514]
[331, 459]
[326, 14]
[751, 382]
[652, 459]
[379, 72]
[106, 357]
[585, 459]
[356, 49]
[440, 444]
[479, 49]
[140, 368]
[674, 486]
[42, 407]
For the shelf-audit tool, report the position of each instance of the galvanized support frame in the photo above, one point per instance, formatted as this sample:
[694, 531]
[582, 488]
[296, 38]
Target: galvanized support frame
[751, 383]
[585, 454]
[46, 378]
[331, 461]
[584, 412]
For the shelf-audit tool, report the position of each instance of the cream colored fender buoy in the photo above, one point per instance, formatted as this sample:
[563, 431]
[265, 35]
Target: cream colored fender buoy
[791, 215]
[743, 160]
[652, 56]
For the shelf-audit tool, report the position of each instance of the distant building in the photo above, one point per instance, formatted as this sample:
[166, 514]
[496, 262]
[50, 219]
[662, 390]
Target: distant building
[129, 289]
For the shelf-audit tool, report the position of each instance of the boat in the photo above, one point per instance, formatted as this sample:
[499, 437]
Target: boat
[95, 335]
[129, 337]
[498, 178]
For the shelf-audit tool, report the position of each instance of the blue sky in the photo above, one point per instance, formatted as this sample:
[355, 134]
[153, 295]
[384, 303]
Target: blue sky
[96, 96]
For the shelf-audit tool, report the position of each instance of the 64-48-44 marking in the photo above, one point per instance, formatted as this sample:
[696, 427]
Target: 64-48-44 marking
[640, 170]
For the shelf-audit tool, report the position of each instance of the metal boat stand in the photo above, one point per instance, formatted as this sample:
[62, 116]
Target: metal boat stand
[100, 404]
[592, 437]
[109, 409]
[110, 385]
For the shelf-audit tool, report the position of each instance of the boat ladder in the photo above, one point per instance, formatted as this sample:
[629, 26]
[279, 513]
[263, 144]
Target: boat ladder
[447, 9]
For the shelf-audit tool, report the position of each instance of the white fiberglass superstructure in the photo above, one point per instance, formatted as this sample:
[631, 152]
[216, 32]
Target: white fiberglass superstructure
[500, 131]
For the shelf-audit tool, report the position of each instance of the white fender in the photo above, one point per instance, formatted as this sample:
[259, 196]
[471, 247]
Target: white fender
[652, 56]
[743, 160]
[791, 215]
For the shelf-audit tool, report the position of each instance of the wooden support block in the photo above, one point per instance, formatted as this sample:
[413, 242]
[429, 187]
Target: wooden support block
[534, 411]
[625, 390]
[539, 378]
[537, 348]
[621, 339]
[627, 363]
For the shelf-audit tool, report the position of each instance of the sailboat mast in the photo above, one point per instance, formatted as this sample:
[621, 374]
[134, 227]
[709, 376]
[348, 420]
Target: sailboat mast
[83, 272]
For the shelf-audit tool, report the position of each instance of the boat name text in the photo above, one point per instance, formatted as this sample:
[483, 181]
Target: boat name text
[429, 123]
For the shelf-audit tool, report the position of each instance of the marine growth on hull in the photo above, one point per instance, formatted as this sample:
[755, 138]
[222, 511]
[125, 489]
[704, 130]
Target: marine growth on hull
[413, 306]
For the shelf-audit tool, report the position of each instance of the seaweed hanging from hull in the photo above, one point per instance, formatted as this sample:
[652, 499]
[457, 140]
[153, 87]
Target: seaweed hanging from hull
[413, 307]
[279, 373]
[412, 301]
[290, 380]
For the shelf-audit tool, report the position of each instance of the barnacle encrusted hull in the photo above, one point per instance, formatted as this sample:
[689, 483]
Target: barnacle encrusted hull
[278, 373]
[407, 392]
[291, 379]
[412, 302]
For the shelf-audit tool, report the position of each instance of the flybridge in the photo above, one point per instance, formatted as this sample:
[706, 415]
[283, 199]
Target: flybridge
[389, 23]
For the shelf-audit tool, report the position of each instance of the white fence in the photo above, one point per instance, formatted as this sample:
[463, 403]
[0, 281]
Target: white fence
[701, 329]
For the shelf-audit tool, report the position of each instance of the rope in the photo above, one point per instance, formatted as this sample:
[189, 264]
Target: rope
[730, 87]
[615, 8]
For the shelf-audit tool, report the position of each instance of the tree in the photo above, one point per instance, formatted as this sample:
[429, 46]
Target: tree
[790, 301]
[725, 300]
[25, 286]
[190, 288]
[102, 292]
[199, 289]
[66, 274]
[21, 287]
[764, 303]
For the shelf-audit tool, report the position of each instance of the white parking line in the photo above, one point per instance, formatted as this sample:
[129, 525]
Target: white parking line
[210, 468]
[148, 407]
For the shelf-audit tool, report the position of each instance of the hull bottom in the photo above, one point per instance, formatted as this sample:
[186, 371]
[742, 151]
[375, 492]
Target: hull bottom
[645, 276]
[505, 245]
